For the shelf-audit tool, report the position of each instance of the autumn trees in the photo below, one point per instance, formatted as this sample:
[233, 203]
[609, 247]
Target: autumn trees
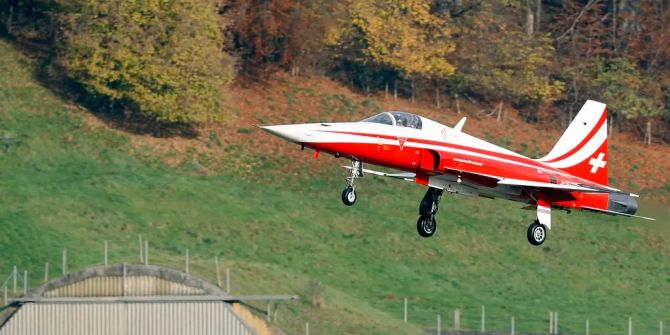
[173, 60]
[518, 74]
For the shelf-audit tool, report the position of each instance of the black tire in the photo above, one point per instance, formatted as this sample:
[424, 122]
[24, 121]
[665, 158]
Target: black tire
[537, 233]
[426, 225]
[349, 196]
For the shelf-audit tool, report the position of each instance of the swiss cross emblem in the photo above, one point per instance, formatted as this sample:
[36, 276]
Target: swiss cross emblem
[597, 163]
[401, 141]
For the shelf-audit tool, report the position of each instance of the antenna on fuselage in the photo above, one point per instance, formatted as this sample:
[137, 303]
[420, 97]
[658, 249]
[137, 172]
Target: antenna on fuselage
[459, 126]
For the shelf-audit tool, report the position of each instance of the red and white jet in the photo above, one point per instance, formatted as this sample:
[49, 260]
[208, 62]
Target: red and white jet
[572, 176]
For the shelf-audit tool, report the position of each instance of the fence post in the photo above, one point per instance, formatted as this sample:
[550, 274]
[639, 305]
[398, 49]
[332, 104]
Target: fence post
[228, 280]
[186, 260]
[587, 326]
[551, 323]
[306, 328]
[218, 273]
[64, 261]
[4, 296]
[146, 252]
[439, 325]
[660, 327]
[555, 322]
[125, 284]
[457, 319]
[105, 253]
[14, 275]
[483, 319]
[630, 325]
[512, 326]
[141, 253]
[25, 282]
[269, 312]
[46, 272]
[404, 314]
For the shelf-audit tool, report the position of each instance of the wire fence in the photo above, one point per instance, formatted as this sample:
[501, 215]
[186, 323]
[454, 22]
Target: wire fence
[473, 320]
[452, 320]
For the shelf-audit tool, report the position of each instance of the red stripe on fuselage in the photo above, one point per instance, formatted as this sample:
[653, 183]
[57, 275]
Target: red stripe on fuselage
[517, 159]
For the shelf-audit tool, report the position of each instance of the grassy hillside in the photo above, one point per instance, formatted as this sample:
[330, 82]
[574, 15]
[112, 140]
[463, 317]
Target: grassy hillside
[71, 183]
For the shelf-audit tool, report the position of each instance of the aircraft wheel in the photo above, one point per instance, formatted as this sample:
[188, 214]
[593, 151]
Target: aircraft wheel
[426, 225]
[349, 196]
[537, 233]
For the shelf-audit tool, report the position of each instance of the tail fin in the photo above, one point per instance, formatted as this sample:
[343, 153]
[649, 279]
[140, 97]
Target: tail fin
[582, 150]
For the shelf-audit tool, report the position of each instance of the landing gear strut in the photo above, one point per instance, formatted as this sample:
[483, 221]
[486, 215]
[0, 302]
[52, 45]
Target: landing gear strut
[426, 225]
[537, 233]
[349, 193]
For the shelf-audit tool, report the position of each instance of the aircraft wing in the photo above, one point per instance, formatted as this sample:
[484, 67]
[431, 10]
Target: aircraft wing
[562, 187]
[492, 181]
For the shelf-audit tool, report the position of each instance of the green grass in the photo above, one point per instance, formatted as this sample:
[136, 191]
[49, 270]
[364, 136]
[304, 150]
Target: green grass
[65, 184]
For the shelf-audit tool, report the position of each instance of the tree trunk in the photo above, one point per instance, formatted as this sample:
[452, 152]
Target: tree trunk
[458, 106]
[437, 97]
[9, 20]
[611, 127]
[538, 15]
[614, 13]
[395, 91]
[499, 110]
[386, 90]
[648, 135]
[52, 25]
[412, 88]
[529, 19]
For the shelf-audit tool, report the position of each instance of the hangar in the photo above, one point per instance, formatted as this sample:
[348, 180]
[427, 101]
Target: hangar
[130, 299]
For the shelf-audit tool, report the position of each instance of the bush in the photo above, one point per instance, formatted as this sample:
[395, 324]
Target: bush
[164, 57]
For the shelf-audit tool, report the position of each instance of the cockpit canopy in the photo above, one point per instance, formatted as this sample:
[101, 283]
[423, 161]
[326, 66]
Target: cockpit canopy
[400, 119]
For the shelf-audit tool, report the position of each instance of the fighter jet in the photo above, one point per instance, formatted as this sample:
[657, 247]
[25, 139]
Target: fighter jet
[573, 176]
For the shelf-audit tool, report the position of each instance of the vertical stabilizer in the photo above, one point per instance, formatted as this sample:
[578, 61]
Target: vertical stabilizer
[582, 150]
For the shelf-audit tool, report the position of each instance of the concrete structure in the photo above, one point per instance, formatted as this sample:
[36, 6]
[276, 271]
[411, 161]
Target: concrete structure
[132, 299]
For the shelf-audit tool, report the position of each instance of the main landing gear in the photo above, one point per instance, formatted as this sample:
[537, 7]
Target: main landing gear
[349, 193]
[537, 233]
[426, 225]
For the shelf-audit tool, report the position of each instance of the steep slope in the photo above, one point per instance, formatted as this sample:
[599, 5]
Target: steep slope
[240, 146]
[70, 182]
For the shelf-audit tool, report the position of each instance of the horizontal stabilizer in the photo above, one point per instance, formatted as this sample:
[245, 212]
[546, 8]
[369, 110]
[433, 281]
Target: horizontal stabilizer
[604, 211]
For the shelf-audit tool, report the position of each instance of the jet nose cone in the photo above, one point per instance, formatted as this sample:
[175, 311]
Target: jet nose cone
[292, 132]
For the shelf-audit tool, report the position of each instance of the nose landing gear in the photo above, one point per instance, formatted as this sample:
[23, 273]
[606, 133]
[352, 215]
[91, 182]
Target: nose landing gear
[426, 225]
[349, 193]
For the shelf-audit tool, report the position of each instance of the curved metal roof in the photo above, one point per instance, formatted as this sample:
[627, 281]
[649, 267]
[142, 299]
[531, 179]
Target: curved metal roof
[126, 280]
